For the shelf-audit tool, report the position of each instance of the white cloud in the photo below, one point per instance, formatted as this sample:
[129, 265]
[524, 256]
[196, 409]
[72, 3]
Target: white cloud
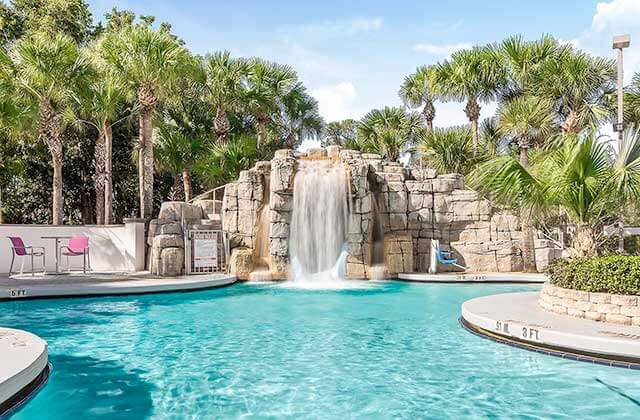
[441, 50]
[335, 102]
[615, 13]
[612, 18]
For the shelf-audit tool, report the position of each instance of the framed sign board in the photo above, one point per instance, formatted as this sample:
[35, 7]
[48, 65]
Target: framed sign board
[205, 249]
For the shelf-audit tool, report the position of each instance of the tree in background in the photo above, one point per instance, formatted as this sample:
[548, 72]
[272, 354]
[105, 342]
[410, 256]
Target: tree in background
[420, 89]
[222, 163]
[224, 78]
[267, 84]
[472, 75]
[449, 150]
[342, 133]
[300, 119]
[388, 131]
[149, 60]
[48, 74]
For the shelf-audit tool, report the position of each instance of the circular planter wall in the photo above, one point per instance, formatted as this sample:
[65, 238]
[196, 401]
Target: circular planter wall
[606, 307]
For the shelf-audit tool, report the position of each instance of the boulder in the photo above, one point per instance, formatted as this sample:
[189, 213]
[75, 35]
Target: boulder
[172, 262]
[168, 241]
[178, 211]
[241, 263]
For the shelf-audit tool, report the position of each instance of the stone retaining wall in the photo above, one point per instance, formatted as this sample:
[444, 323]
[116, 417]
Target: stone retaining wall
[607, 307]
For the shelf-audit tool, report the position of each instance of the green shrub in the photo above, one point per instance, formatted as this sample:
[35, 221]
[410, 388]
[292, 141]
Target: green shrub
[613, 274]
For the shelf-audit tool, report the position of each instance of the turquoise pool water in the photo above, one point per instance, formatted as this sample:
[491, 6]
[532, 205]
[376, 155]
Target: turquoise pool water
[385, 350]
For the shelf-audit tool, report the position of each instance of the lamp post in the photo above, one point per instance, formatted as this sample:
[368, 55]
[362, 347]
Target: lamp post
[619, 43]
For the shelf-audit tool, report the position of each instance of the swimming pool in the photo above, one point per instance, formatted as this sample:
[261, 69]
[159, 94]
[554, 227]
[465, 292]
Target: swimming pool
[379, 350]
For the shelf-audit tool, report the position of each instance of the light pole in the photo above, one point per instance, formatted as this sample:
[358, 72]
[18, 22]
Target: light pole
[619, 43]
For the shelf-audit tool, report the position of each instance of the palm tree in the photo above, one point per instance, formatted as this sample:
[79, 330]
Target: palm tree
[388, 131]
[267, 84]
[522, 61]
[48, 72]
[342, 133]
[300, 117]
[575, 177]
[222, 163]
[224, 78]
[527, 120]
[101, 104]
[579, 84]
[421, 89]
[449, 150]
[632, 101]
[473, 75]
[148, 60]
[177, 153]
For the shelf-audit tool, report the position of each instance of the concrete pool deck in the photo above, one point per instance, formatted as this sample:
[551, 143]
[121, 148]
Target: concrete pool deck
[474, 277]
[517, 319]
[26, 286]
[24, 367]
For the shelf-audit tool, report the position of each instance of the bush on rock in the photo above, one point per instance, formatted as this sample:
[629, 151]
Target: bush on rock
[611, 274]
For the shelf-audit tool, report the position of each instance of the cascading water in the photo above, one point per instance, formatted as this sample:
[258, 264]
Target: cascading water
[319, 221]
[378, 266]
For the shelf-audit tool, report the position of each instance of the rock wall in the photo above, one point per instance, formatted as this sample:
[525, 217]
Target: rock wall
[415, 207]
[606, 307]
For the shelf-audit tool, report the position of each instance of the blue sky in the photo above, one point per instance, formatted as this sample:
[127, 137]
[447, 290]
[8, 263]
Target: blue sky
[353, 55]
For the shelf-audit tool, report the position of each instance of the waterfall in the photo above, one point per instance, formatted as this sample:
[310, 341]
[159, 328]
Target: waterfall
[378, 266]
[319, 221]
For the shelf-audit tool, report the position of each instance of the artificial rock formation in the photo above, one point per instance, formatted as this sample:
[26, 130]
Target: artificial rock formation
[415, 206]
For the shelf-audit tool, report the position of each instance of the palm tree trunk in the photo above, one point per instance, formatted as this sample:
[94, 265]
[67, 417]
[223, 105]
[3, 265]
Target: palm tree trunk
[429, 114]
[472, 109]
[260, 135]
[146, 160]
[50, 133]
[108, 175]
[57, 189]
[99, 157]
[186, 180]
[528, 232]
[584, 242]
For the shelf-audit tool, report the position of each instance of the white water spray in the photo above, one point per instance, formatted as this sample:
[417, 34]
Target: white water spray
[319, 222]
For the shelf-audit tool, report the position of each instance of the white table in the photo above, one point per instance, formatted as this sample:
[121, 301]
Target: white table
[56, 238]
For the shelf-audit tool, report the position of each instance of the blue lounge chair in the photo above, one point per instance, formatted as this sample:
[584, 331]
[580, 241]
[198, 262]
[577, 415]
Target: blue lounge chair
[446, 258]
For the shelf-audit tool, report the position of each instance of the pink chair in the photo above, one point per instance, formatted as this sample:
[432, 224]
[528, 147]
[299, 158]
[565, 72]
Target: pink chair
[77, 246]
[18, 249]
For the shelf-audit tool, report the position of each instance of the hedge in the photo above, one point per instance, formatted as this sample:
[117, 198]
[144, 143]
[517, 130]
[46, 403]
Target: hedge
[618, 274]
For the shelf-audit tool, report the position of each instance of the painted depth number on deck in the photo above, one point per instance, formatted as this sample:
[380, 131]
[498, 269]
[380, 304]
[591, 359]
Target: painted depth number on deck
[520, 331]
[17, 293]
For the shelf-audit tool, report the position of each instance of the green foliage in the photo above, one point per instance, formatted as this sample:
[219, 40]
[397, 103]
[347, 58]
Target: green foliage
[449, 150]
[611, 274]
[222, 163]
[342, 133]
[388, 131]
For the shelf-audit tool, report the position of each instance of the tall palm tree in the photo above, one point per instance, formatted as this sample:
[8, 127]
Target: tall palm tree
[300, 117]
[267, 84]
[225, 77]
[632, 101]
[421, 90]
[388, 131]
[149, 60]
[527, 120]
[473, 75]
[579, 84]
[101, 104]
[49, 70]
[522, 61]
[524, 120]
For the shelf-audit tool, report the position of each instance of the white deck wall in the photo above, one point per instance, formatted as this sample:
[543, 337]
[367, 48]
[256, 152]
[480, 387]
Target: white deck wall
[112, 248]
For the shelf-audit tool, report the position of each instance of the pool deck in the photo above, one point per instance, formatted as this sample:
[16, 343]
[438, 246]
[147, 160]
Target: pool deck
[474, 277]
[26, 286]
[24, 367]
[516, 319]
